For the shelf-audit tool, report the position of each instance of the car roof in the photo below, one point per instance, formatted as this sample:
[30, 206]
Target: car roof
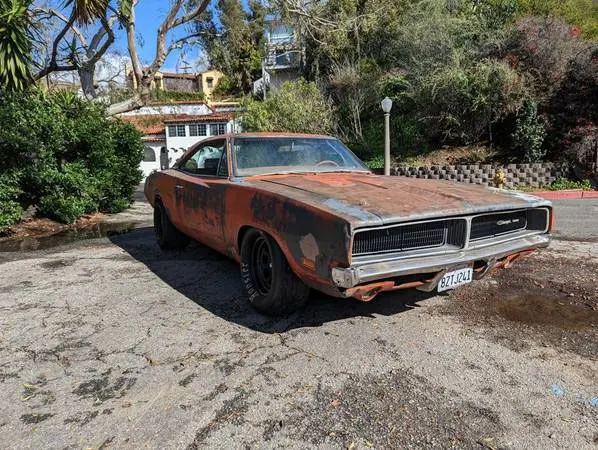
[266, 134]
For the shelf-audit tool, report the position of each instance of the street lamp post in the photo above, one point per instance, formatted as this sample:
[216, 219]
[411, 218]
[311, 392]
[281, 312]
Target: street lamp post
[386, 106]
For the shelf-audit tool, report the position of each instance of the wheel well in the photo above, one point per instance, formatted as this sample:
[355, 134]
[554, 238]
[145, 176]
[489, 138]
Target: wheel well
[242, 232]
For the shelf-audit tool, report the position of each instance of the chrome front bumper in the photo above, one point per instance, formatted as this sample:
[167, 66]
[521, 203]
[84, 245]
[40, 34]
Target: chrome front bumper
[373, 271]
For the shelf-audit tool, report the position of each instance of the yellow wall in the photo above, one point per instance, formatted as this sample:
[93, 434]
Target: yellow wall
[215, 75]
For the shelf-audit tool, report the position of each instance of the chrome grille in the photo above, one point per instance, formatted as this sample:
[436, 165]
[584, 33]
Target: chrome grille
[491, 225]
[410, 237]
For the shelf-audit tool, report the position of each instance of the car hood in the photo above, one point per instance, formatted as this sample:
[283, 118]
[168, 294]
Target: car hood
[367, 199]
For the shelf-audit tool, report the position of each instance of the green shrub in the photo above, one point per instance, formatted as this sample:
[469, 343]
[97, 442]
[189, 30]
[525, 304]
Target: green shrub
[122, 174]
[583, 13]
[71, 158]
[67, 193]
[226, 86]
[296, 107]
[529, 133]
[564, 183]
[165, 96]
[10, 208]
[377, 162]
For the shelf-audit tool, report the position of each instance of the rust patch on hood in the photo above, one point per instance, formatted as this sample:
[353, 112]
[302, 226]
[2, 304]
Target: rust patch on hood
[367, 199]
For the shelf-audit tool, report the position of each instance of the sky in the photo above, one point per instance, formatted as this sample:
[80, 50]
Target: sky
[149, 15]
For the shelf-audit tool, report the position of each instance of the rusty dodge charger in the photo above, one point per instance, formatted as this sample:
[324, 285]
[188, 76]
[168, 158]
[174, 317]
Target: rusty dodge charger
[302, 211]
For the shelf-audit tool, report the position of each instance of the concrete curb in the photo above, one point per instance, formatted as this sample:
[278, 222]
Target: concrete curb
[567, 194]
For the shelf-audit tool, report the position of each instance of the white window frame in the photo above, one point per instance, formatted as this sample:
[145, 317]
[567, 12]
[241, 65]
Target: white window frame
[195, 129]
[179, 130]
[217, 126]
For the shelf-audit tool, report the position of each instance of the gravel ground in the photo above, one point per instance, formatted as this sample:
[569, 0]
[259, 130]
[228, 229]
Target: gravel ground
[111, 343]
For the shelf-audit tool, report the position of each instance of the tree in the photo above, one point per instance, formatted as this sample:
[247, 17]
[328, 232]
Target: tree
[233, 39]
[181, 12]
[16, 37]
[23, 56]
[72, 50]
[79, 54]
[296, 107]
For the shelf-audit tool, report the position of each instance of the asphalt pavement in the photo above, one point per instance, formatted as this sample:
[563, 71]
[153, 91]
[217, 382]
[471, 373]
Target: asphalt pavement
[112, 343]
[577, 219]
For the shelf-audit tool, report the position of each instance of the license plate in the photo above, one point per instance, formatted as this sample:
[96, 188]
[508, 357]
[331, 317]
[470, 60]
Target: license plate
[455, 278]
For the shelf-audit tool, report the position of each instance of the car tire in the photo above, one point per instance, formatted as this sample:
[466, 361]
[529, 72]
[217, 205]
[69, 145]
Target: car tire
[168, 237]
[271, 285]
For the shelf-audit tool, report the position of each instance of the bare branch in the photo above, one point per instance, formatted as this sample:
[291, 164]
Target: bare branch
[53, 65]
[107, 29]
[52, 12]
[169, 23]
[132, 45]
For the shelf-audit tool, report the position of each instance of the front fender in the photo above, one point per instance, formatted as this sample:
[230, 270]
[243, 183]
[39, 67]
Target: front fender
[312, 240]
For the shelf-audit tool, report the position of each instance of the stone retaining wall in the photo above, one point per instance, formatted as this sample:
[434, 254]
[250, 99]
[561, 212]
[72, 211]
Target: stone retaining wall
[536, 174]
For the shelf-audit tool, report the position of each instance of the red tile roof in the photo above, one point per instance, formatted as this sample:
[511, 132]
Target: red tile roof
[185, 118]
[146, 123]
[155, 123]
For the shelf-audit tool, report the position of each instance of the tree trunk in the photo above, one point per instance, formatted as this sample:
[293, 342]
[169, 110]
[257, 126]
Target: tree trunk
[128, 105]
[86, 76]
[140, 99]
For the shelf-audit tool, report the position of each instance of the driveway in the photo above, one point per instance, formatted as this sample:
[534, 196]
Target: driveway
[111, 343]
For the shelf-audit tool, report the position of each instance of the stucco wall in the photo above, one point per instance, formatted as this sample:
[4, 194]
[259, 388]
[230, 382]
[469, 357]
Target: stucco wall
[537, 174]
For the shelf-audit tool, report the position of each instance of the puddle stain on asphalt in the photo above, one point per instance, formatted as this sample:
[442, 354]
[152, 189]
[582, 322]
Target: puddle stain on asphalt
[538, 308]
[35, 418]
[95, 231]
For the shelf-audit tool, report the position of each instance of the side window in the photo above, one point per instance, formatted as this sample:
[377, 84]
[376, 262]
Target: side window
[205, 159]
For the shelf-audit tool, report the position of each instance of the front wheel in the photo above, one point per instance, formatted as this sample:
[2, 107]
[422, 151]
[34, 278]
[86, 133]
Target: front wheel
[269, 282]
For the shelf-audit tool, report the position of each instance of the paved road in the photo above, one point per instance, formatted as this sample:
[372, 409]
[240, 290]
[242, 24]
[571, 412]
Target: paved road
[577, 219]
[111, 343]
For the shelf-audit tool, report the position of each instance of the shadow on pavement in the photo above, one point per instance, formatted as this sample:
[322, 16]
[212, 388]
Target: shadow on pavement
[213, 282]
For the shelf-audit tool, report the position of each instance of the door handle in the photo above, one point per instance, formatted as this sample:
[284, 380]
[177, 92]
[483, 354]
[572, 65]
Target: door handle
[179, 186]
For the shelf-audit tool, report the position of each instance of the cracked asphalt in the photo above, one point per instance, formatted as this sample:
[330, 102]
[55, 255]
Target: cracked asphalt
[111, 343]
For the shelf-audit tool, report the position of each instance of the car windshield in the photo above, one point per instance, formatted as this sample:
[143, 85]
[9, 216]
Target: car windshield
[268, 155]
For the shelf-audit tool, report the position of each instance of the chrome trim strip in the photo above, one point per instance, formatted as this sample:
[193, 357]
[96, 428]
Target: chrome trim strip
[364, 273]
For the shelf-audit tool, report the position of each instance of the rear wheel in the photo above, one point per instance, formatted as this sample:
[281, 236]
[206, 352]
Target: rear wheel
[168, 237]
[269, 282]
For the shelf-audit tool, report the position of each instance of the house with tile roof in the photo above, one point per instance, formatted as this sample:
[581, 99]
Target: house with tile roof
[204, 82]
[169, 129]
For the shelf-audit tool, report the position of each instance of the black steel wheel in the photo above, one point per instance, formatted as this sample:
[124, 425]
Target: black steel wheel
[269, 282]
[261, 265]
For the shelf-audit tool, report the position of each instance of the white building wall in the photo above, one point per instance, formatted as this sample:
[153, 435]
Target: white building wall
[149, 163]
[188, 140]
[199, 109]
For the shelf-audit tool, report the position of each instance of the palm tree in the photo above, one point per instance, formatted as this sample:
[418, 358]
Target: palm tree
[16, 37]
[18, 33]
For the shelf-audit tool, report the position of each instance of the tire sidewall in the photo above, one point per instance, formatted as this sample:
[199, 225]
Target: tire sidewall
[256, 298]
[159, 223]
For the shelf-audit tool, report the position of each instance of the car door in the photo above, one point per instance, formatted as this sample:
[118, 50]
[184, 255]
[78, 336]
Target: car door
[202, 179]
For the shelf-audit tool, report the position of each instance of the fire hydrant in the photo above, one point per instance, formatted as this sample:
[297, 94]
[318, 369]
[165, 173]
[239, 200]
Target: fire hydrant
[499, 179]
